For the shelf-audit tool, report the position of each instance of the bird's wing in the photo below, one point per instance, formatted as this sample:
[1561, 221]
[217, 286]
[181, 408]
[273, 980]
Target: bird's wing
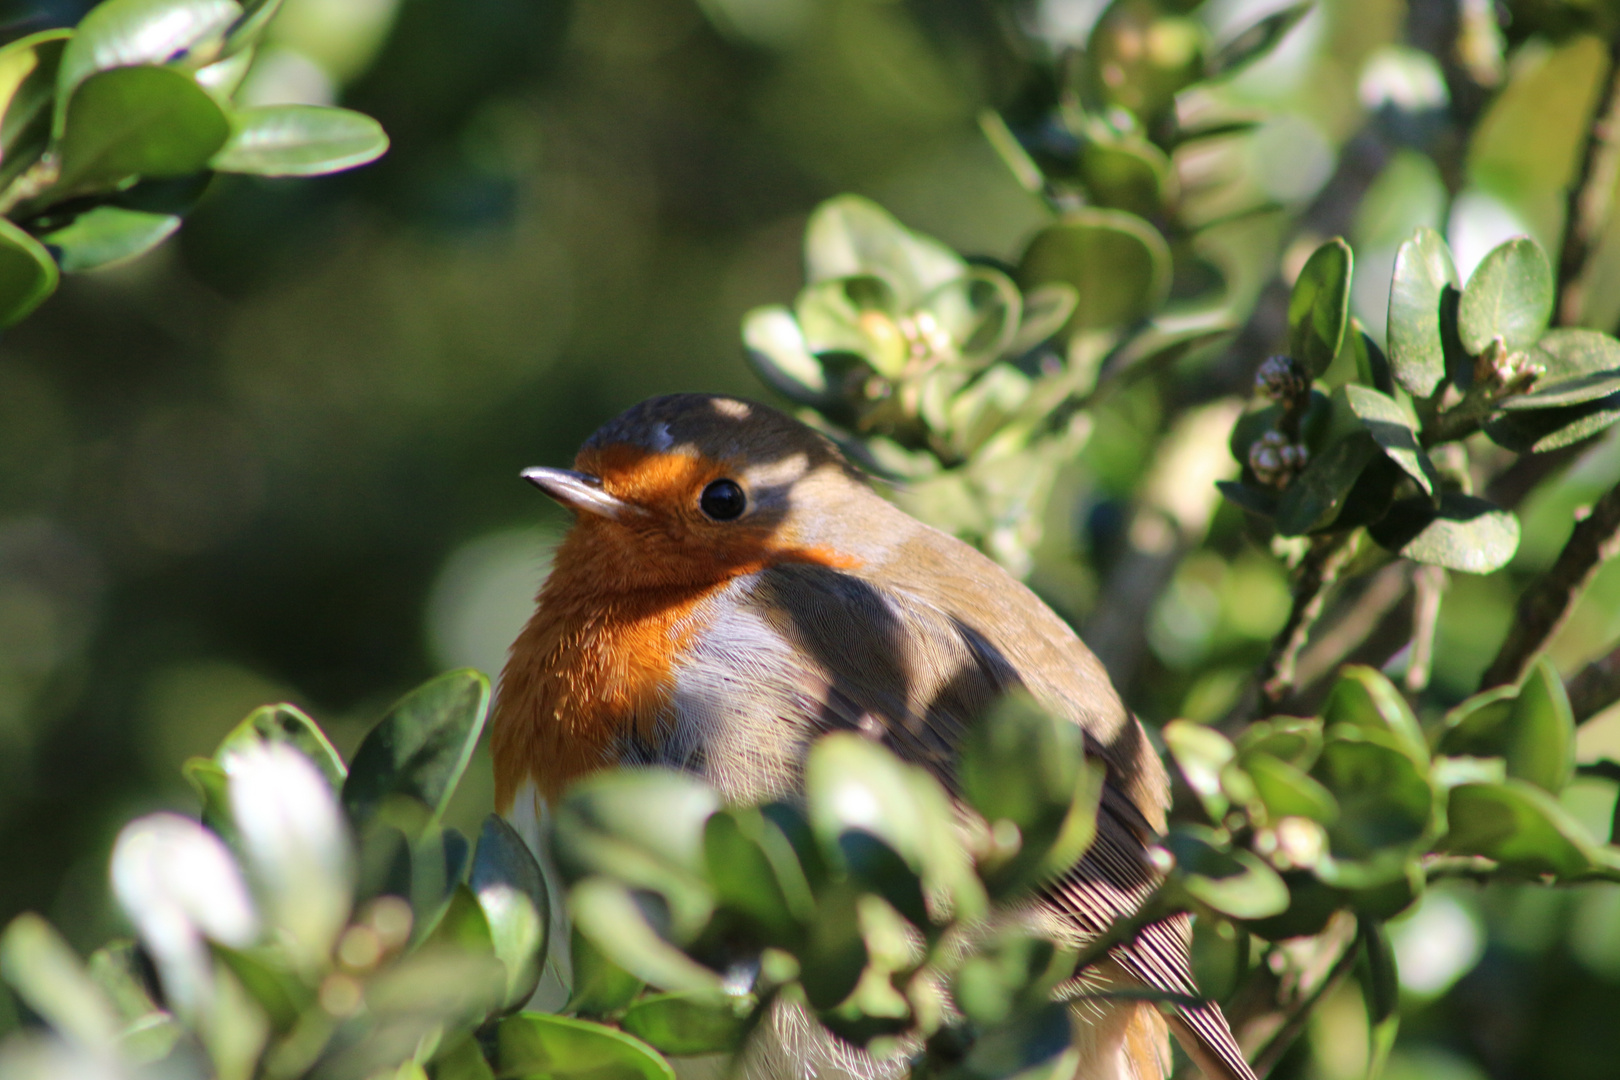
[854, 655]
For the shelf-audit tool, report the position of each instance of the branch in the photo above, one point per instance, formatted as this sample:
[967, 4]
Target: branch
[1587, 200]
[1317, 574]
[1428, 582]
[1545, 605]
[1360, 619]
[1595, 687]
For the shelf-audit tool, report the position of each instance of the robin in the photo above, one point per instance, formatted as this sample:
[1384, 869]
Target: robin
[731, 588]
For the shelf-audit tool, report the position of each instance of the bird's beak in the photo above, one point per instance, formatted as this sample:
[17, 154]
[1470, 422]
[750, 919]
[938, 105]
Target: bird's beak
[582, 492]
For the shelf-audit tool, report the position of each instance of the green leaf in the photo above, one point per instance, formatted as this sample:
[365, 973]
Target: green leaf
[601, 987]
[1509, 295]
[777, 352]
[1363, 697]
[27, 274]
[28, 68]
[1311, 903]
[617, 922]
[1463, 533]
[1046, 311]
[1201, 753]
[1386, 802]
[1023, 765]
[849, 236]
[1287, 791]
[1314, 498]
[855, 315]
[1255, 41]
[512, 893]
[1580, 366]
[756, 873]
[270, 982]
[1118, 265]
[535, 1046]
[126, 33]
[1425, 282]
[1134, 176]
[299, 140]
[1394, 429]
[1319, 308]
[1524, 830]
[105, 235]
[137, 121]
[677, 1025]
[1292, 739]
[462, 925]
[1232, 882]
[1381, 990]
[247, 30]
[1548, 429]
[288, 724]
[47, 975]
[421, 747]
[1532, 728]
[462, 1061]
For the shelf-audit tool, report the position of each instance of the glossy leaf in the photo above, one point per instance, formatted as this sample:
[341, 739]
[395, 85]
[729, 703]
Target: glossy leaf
[1314, 498]
[288, 724]
[1463, 533]
[1287, 791]
[1532, 728]
[756, 873]
[601, 987]
[1292, 739]
[1547, 429]
[1580, 366]
[421, 747]
[510, 889]
[27, 274]
[617, 923]
[1363, 697]
[1201, 753]
[536, 1045]
[208, 779]
[1234, 882]
[779, 355]
[1425, 282]
[849, 236]
[107, 235]
[1319, 307]
[1394, 429]
[1381, 990]
[1118, 265]
[28, 68]
[137, 121]
[299, 140]
[464, 1060]
[1524, 830]
[679, 1026]
[1509, 295]
[124, 33]
[247, 30]
[1134, 176]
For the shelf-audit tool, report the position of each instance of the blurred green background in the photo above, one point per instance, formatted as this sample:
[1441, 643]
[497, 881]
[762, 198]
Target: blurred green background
[277, 459]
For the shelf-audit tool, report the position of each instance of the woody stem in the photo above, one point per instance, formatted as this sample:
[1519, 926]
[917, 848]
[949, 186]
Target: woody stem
[1317, 573]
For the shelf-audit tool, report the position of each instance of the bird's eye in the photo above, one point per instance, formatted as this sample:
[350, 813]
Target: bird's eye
[723, 500]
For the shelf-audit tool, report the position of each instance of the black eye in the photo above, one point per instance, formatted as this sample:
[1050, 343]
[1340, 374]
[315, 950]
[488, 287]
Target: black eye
[723, 500]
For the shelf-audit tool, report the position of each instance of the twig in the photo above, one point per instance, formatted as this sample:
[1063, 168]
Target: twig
[1354, 626]
[1295, 1014]
[1586, 203]
[1595, 687]
[1428, 582]
[1316, 575]
[1547, 602]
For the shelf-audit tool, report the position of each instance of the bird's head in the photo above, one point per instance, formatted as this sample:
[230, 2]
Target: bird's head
[693, 489]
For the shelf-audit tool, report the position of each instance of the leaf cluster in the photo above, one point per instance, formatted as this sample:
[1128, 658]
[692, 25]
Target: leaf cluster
[111, 131]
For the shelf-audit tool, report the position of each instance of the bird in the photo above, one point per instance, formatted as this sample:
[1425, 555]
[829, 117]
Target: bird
[731, 588]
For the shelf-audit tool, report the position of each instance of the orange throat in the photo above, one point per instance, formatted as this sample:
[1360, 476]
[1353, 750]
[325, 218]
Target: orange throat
[591, 668]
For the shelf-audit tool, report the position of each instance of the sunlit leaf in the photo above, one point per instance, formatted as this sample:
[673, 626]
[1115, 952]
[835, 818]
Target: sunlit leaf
[617, 923]
[124, 33]
[1319, 307]
[1524, 830]
[288, 724]
[1425, 282]
[1118, 264]
[510, 889]
[47, 975]
[1463, 533]
[849, 236]
[1364, 697]
[421, 747]
[137, 121]
[299, 140]
[536, 1045]
[677, 1025]
[1394, 429]
[1314, 498]
[1255, 41]
[106, 235]
[1232, 882]
[1509, 295]
[28, 68]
